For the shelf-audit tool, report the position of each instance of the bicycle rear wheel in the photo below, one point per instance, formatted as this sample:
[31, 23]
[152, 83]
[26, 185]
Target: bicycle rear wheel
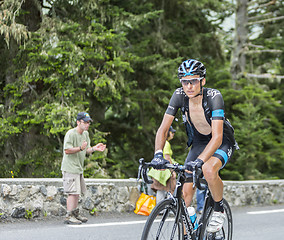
[225, 233]
[161, 225]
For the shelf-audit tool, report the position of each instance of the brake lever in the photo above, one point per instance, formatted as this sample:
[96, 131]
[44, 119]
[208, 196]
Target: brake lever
[139, 172]
[142, 172]
[196, 179]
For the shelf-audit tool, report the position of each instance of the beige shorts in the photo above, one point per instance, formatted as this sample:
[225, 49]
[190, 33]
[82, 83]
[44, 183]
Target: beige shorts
[73, 183]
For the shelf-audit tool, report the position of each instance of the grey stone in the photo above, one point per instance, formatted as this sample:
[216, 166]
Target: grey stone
[123, 195]
[60, 190]
[3, 216]
[36, 212]
[97, 201]
[88, 204]
[63, 201]
[94, 189]
[14, 190]
[43, 190]
[23, 195]
[45, 196]
[18, 212]
[5, 190]
[62, 211]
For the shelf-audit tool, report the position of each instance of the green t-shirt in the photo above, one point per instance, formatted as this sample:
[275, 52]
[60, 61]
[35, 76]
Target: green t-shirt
[167, 149]
[162, 176]
[74, 163]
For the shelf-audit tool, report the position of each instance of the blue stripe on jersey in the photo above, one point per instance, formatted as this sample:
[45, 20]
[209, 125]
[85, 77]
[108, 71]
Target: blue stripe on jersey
[218, 113]
[223, 154]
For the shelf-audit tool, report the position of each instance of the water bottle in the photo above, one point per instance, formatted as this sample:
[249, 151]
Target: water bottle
[193, 217]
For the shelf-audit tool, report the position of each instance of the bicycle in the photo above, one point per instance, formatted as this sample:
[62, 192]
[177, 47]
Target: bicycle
[170, 217]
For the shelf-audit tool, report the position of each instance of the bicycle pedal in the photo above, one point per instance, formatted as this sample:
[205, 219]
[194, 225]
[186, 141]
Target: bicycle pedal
[212, 236]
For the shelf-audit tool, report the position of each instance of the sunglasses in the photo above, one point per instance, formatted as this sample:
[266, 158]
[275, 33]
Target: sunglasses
[86, 122]
[192, 81]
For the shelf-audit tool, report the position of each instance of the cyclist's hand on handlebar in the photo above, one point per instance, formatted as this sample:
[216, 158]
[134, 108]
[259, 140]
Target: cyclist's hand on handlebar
[158, 162]
[196, 168]
[194, 165]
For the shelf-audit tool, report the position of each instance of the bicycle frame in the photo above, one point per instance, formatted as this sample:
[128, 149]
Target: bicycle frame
[208, 201]
[176, 204]
[181, 209]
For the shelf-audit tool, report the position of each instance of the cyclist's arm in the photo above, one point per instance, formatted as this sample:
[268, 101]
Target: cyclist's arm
[162, 132]
[215, 142]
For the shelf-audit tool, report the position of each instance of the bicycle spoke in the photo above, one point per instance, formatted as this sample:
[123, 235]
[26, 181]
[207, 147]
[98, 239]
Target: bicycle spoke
[161, 224]
[226, 232]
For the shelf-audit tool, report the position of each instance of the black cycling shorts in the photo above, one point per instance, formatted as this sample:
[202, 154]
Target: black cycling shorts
[224, 153]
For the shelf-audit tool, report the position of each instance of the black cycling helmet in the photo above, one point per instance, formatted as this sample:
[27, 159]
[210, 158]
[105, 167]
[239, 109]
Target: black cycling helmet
[191, 67]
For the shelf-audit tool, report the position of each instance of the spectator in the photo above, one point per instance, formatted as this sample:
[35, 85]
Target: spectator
[76, 146]
[164, 180]
[200, 197]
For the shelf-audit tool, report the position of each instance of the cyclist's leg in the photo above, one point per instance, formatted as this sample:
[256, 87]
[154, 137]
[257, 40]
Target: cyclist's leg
[211, 173]
[188, 193]
[211, 169]
[188, 190]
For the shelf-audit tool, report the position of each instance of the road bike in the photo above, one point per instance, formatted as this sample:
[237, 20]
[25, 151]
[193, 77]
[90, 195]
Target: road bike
[169, 220]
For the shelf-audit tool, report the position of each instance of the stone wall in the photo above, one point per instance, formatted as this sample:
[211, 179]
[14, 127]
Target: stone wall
[30, 198]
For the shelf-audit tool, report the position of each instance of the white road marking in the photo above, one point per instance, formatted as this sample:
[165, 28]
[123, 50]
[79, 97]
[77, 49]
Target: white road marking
[113, 224]
[107, 224]
[267, 211]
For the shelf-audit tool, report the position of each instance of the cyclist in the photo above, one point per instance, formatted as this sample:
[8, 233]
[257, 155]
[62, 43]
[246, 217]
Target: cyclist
[209, 132]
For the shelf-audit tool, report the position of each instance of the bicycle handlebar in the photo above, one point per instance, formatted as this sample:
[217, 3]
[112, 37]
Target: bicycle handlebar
[197, 180]
[142, 171]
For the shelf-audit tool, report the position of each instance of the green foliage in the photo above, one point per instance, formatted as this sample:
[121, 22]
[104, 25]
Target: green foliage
[63, 68]
[9, 27]
[157, 48]
[28, 214]
[257, 131]
[34, 163]
[118, 60]
[94, 211]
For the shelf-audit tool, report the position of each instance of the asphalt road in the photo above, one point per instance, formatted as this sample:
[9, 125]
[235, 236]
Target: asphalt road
[250, 223]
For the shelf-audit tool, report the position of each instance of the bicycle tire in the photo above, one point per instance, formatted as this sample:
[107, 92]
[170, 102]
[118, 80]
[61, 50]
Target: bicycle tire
[160, 223]
[226, 233]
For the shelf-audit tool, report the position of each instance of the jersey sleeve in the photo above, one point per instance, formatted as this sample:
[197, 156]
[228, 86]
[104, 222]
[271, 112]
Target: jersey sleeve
[175, 102]
[216, 103]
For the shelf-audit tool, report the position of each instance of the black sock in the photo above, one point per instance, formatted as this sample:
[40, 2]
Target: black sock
[218, 206]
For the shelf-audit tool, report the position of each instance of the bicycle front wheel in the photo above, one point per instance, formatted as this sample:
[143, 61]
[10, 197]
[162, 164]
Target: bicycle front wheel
[226, 232]
[161, 224]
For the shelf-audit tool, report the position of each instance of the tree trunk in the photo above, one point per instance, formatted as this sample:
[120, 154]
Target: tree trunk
[238, 61]
[8, 151]
[32, 20]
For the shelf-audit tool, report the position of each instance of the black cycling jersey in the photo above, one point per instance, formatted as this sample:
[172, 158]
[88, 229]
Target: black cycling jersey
[213, 106]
